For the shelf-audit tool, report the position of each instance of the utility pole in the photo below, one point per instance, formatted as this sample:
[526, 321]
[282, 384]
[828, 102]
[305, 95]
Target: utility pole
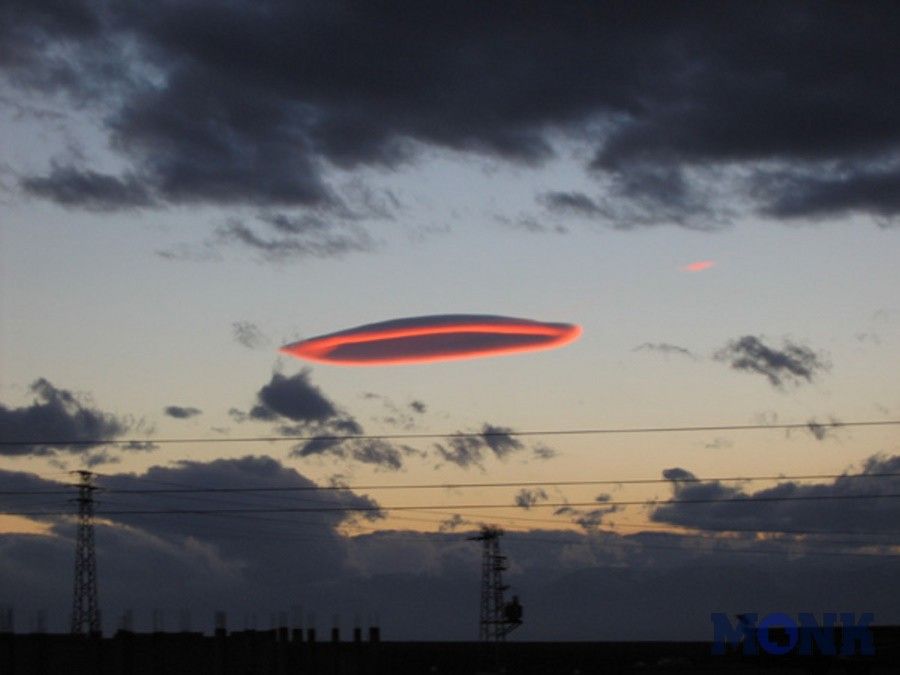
[498, 618]
[85, 609]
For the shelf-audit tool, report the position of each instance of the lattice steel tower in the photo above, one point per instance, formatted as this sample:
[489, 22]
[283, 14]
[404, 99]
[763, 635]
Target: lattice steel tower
[498, 618]
[85, 609]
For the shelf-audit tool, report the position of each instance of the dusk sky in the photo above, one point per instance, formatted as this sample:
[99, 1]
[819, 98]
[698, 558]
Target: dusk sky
[712, 192]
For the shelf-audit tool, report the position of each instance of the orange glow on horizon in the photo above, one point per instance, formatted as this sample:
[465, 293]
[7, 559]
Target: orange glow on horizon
[322, 349]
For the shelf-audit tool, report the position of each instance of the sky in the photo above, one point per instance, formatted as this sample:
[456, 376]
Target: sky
[712, 194]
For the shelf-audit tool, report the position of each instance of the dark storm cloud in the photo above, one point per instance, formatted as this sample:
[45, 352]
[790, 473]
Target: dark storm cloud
[858, 187]
[56, 420]
[664, 348]
[203, 561]
[654, 585]
[758, 511]
[238, 105]
[182, 412]
[792, 364]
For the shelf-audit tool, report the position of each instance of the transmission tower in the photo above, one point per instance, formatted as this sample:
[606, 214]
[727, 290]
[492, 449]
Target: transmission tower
[85, 609]
[498, 618]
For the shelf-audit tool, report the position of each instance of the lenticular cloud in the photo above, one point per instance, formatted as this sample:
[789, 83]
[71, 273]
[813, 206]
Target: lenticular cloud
[426, 339]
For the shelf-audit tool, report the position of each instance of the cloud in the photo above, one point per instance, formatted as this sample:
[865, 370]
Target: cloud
[427, 339]
[232, 560]
[541, 451]
[56, 421]
[294, 398]
[821, 431]
[759, 513]
[396, 416]
[792, 364]
[500, 440]
[89, 190]
[453, 523]
[181, 412]
[469, 450]
[464, 451]
[95, 458]
[664, 348]
[284, 244]
[248, 334]
[589, 519]
[295, 90]
[376, 452]
[576, 203]
[309, 411]
[528, 497]
[855, 187]
[655, 585]
[698, 266]
[138, 446]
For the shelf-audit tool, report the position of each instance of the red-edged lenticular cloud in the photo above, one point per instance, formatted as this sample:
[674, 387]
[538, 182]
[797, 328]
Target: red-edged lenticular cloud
[698, 266]
[426, 339]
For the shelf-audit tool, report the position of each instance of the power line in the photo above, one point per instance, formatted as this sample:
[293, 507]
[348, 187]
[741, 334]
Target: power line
[596, 504]
[457, 434]
[184, 488]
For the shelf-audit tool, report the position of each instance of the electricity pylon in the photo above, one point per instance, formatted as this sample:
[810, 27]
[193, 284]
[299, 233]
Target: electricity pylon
[498, 618]
[85, 608]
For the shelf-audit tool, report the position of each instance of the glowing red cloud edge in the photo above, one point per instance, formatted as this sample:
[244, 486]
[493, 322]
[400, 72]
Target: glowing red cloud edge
[322, 349]
[698, 266]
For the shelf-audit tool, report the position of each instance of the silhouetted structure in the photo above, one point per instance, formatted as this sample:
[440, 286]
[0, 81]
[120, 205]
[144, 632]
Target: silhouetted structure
[255, 652]
[498, 618]
[85, 607]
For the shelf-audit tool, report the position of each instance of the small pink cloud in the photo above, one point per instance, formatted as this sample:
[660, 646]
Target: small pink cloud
[698, 266]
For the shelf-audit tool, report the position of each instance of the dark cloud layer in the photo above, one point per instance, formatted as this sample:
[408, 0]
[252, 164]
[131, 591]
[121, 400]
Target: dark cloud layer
[239, 105]
[792, 364]
[759, 513]
[423, 586]
[69, 186]
[56, 421]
